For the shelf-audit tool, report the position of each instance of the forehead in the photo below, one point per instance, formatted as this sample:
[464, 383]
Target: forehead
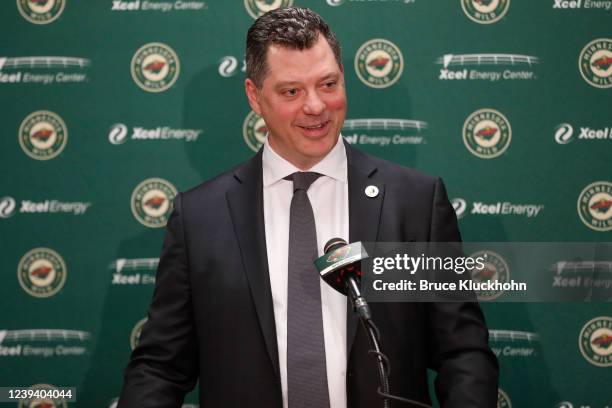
[287, 64]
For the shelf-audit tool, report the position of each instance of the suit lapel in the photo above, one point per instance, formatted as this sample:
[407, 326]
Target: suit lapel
[245, 202]
[364, 214]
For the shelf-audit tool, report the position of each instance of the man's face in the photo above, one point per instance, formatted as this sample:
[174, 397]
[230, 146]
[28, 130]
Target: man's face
[302, 100]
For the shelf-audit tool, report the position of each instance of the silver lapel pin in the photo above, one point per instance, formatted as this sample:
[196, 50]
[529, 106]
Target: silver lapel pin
[371, 191]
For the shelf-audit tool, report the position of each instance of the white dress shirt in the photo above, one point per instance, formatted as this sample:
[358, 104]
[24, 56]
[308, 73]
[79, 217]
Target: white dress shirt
[329, 199]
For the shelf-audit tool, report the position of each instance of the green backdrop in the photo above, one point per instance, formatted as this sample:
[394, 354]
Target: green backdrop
[110, 107]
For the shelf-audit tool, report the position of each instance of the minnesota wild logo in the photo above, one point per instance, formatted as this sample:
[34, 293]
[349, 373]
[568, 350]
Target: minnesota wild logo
[135, 335]
[40, 11]
[495, 270]
[47, 401]
[256, 8]
[595, 63]
[595, 341]
[254, 131]
[43, 135]
[487, 133]
[155, 67]
[42, 272]
[151, 202]
[595, 206]
[503, 401]
[485, 11]
[379, 63]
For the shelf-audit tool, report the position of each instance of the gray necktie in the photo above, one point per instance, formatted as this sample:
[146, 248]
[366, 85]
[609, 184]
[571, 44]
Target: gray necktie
[306, 371]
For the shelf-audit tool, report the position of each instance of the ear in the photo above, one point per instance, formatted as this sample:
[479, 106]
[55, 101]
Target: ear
[252, 95]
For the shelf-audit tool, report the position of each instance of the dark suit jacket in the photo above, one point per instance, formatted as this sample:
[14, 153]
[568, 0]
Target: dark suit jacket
[211, 316]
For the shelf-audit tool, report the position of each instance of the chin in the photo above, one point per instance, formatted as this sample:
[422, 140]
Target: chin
[317, 153]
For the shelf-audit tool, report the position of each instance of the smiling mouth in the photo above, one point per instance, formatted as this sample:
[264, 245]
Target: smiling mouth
[313, 127]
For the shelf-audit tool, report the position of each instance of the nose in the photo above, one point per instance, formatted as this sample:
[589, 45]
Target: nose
[313, 104]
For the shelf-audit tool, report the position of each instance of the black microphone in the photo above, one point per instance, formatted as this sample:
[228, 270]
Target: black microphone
[343, 272]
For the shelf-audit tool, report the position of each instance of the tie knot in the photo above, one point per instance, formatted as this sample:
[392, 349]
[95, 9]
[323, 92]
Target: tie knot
[303, 179]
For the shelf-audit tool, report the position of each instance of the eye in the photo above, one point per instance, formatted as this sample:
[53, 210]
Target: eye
[330, 84]
[290, 92]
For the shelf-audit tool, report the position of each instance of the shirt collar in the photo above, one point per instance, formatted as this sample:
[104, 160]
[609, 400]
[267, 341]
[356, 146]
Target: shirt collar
[276, 168]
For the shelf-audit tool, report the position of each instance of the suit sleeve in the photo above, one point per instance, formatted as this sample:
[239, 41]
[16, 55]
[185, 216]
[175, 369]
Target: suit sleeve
[467, 368]
[163, 367]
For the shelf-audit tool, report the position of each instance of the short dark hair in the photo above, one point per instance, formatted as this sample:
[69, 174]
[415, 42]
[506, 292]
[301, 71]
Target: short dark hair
[292, 27]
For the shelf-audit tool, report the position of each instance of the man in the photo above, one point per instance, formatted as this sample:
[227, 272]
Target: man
[226, 309]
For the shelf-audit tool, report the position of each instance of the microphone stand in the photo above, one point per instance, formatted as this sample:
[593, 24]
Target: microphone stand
[365, 316]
